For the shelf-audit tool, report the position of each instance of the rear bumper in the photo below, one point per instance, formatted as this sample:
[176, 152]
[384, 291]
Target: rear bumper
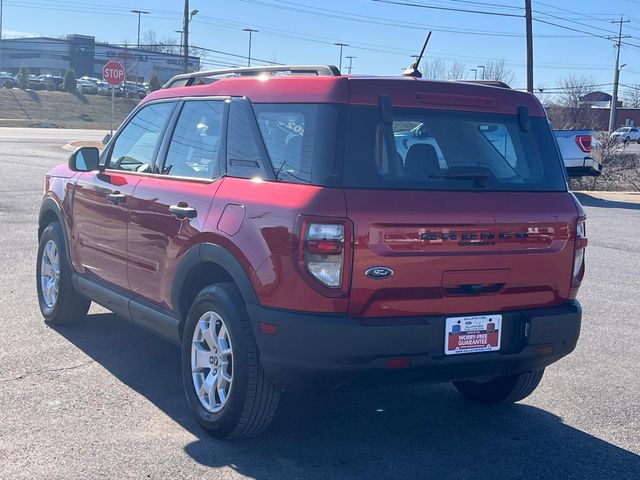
[326, 351]
[583, 167]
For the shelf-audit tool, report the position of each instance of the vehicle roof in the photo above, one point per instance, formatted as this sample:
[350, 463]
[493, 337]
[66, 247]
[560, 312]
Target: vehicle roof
[356, 90]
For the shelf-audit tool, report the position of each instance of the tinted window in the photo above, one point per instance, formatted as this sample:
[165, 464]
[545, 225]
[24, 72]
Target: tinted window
[134, 149]
[243, 138]
[301, 140]
[195, 143]
[443, 150]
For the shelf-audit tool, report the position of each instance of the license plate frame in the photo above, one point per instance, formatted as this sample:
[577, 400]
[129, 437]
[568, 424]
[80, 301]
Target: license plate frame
[472, 334]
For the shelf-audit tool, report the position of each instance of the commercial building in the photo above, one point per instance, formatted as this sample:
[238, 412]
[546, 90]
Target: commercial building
[46, 55]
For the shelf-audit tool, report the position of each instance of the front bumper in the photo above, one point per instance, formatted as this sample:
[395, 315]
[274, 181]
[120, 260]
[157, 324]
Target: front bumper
[326, 351]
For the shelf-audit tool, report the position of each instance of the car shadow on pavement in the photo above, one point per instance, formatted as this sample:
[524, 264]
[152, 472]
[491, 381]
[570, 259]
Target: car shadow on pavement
[407, 432]
[590, 201]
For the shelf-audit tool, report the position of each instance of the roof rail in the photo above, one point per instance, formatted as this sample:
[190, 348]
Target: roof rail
[491, 83]
[188, 79]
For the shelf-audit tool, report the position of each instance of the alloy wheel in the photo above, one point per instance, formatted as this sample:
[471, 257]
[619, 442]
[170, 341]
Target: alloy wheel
[212, 362]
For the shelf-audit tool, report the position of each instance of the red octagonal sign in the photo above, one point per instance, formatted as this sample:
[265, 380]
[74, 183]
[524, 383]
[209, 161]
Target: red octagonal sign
[113, 73]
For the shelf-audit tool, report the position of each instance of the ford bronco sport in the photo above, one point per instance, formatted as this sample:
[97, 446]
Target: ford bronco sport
[292, 227]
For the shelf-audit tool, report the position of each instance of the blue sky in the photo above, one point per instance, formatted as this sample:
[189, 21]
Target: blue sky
[382, 35]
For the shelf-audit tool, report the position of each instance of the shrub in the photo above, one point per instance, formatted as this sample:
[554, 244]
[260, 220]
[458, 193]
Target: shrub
[23, 77]
[69, 84]
[154, 82]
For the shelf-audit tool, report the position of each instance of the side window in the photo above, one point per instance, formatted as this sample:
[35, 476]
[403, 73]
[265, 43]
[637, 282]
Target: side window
[288, 133]
[246, 156]
[195, 144]
[135, 147]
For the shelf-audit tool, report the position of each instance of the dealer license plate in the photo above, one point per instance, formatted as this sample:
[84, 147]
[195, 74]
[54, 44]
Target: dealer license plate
[472, 334]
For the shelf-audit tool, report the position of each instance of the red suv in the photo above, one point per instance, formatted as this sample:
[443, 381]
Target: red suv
[293, 227]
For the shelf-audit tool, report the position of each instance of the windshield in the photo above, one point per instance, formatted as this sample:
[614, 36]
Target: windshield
[623, 130]
[442, 150]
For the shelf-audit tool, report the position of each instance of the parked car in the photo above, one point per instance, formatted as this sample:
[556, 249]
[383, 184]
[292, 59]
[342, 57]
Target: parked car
[626, 134]
[271, 226]
[581, 153]
[86, 87]
[102, 87]
[7, 80]
[134, 90]
[54, 80]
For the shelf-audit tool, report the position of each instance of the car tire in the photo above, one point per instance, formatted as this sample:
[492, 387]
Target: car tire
[505, 389]
[226, 388]
[626, 140]
[59, 302]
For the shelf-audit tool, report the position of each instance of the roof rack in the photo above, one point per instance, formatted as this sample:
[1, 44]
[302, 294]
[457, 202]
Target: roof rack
[491, 83]
[188, 79]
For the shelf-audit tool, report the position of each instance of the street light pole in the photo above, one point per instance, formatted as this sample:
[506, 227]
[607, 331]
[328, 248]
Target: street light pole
[475, 73]
[341, 45]
[482, 67]
[180, 32]
[140, 13]
[350, 57]
[251, 31]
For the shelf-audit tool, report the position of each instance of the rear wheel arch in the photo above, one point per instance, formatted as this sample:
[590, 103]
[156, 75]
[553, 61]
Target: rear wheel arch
[204, 265]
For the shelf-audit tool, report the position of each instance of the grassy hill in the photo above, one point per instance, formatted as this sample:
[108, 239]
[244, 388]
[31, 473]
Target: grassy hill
[24, 108]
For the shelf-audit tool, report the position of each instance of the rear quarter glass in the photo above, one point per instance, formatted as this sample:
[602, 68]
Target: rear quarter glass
[441, 150]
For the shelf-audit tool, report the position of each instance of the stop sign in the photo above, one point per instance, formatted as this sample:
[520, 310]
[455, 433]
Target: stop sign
[113, 73]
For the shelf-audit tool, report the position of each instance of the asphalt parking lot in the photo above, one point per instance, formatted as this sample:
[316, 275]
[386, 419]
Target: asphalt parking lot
[104, 399]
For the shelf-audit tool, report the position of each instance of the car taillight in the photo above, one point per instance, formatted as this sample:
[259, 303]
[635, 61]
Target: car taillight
[323, 252]
[584, 142]
[581, 244]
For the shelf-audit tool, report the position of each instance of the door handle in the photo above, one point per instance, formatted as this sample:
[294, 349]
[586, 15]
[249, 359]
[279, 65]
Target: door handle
[183, 210]
[116, 197]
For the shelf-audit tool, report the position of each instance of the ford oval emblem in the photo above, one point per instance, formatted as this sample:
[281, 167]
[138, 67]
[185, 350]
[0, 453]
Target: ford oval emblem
[378, 273]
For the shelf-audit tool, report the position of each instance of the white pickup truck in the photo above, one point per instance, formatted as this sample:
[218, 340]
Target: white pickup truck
[581, 153]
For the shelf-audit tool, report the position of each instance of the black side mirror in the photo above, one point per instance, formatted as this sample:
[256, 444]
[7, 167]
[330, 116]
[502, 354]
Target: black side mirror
[85, 159]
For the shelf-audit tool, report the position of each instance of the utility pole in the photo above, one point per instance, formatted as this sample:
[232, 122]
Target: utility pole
[529, 21]
[482, 67]
[188, 16]
[140, 13]
[185, 30]
[350, 57]
[616, 78]
[1, 81]
[341, 45]
[250, 30]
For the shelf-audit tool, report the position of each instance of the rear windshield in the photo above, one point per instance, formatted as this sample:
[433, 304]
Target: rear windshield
[442, 150]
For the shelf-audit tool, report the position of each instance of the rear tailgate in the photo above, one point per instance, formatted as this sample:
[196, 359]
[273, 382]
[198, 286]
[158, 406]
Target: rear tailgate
[459, 252]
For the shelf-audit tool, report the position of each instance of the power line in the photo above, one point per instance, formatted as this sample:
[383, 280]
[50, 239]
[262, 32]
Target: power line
[449, 9]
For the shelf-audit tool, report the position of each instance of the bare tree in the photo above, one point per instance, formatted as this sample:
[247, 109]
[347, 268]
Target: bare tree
[572, 89]
[631, 96]
[566, 109]
[497, 70]
[456, 71]
[166, 44]
[435, 69]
